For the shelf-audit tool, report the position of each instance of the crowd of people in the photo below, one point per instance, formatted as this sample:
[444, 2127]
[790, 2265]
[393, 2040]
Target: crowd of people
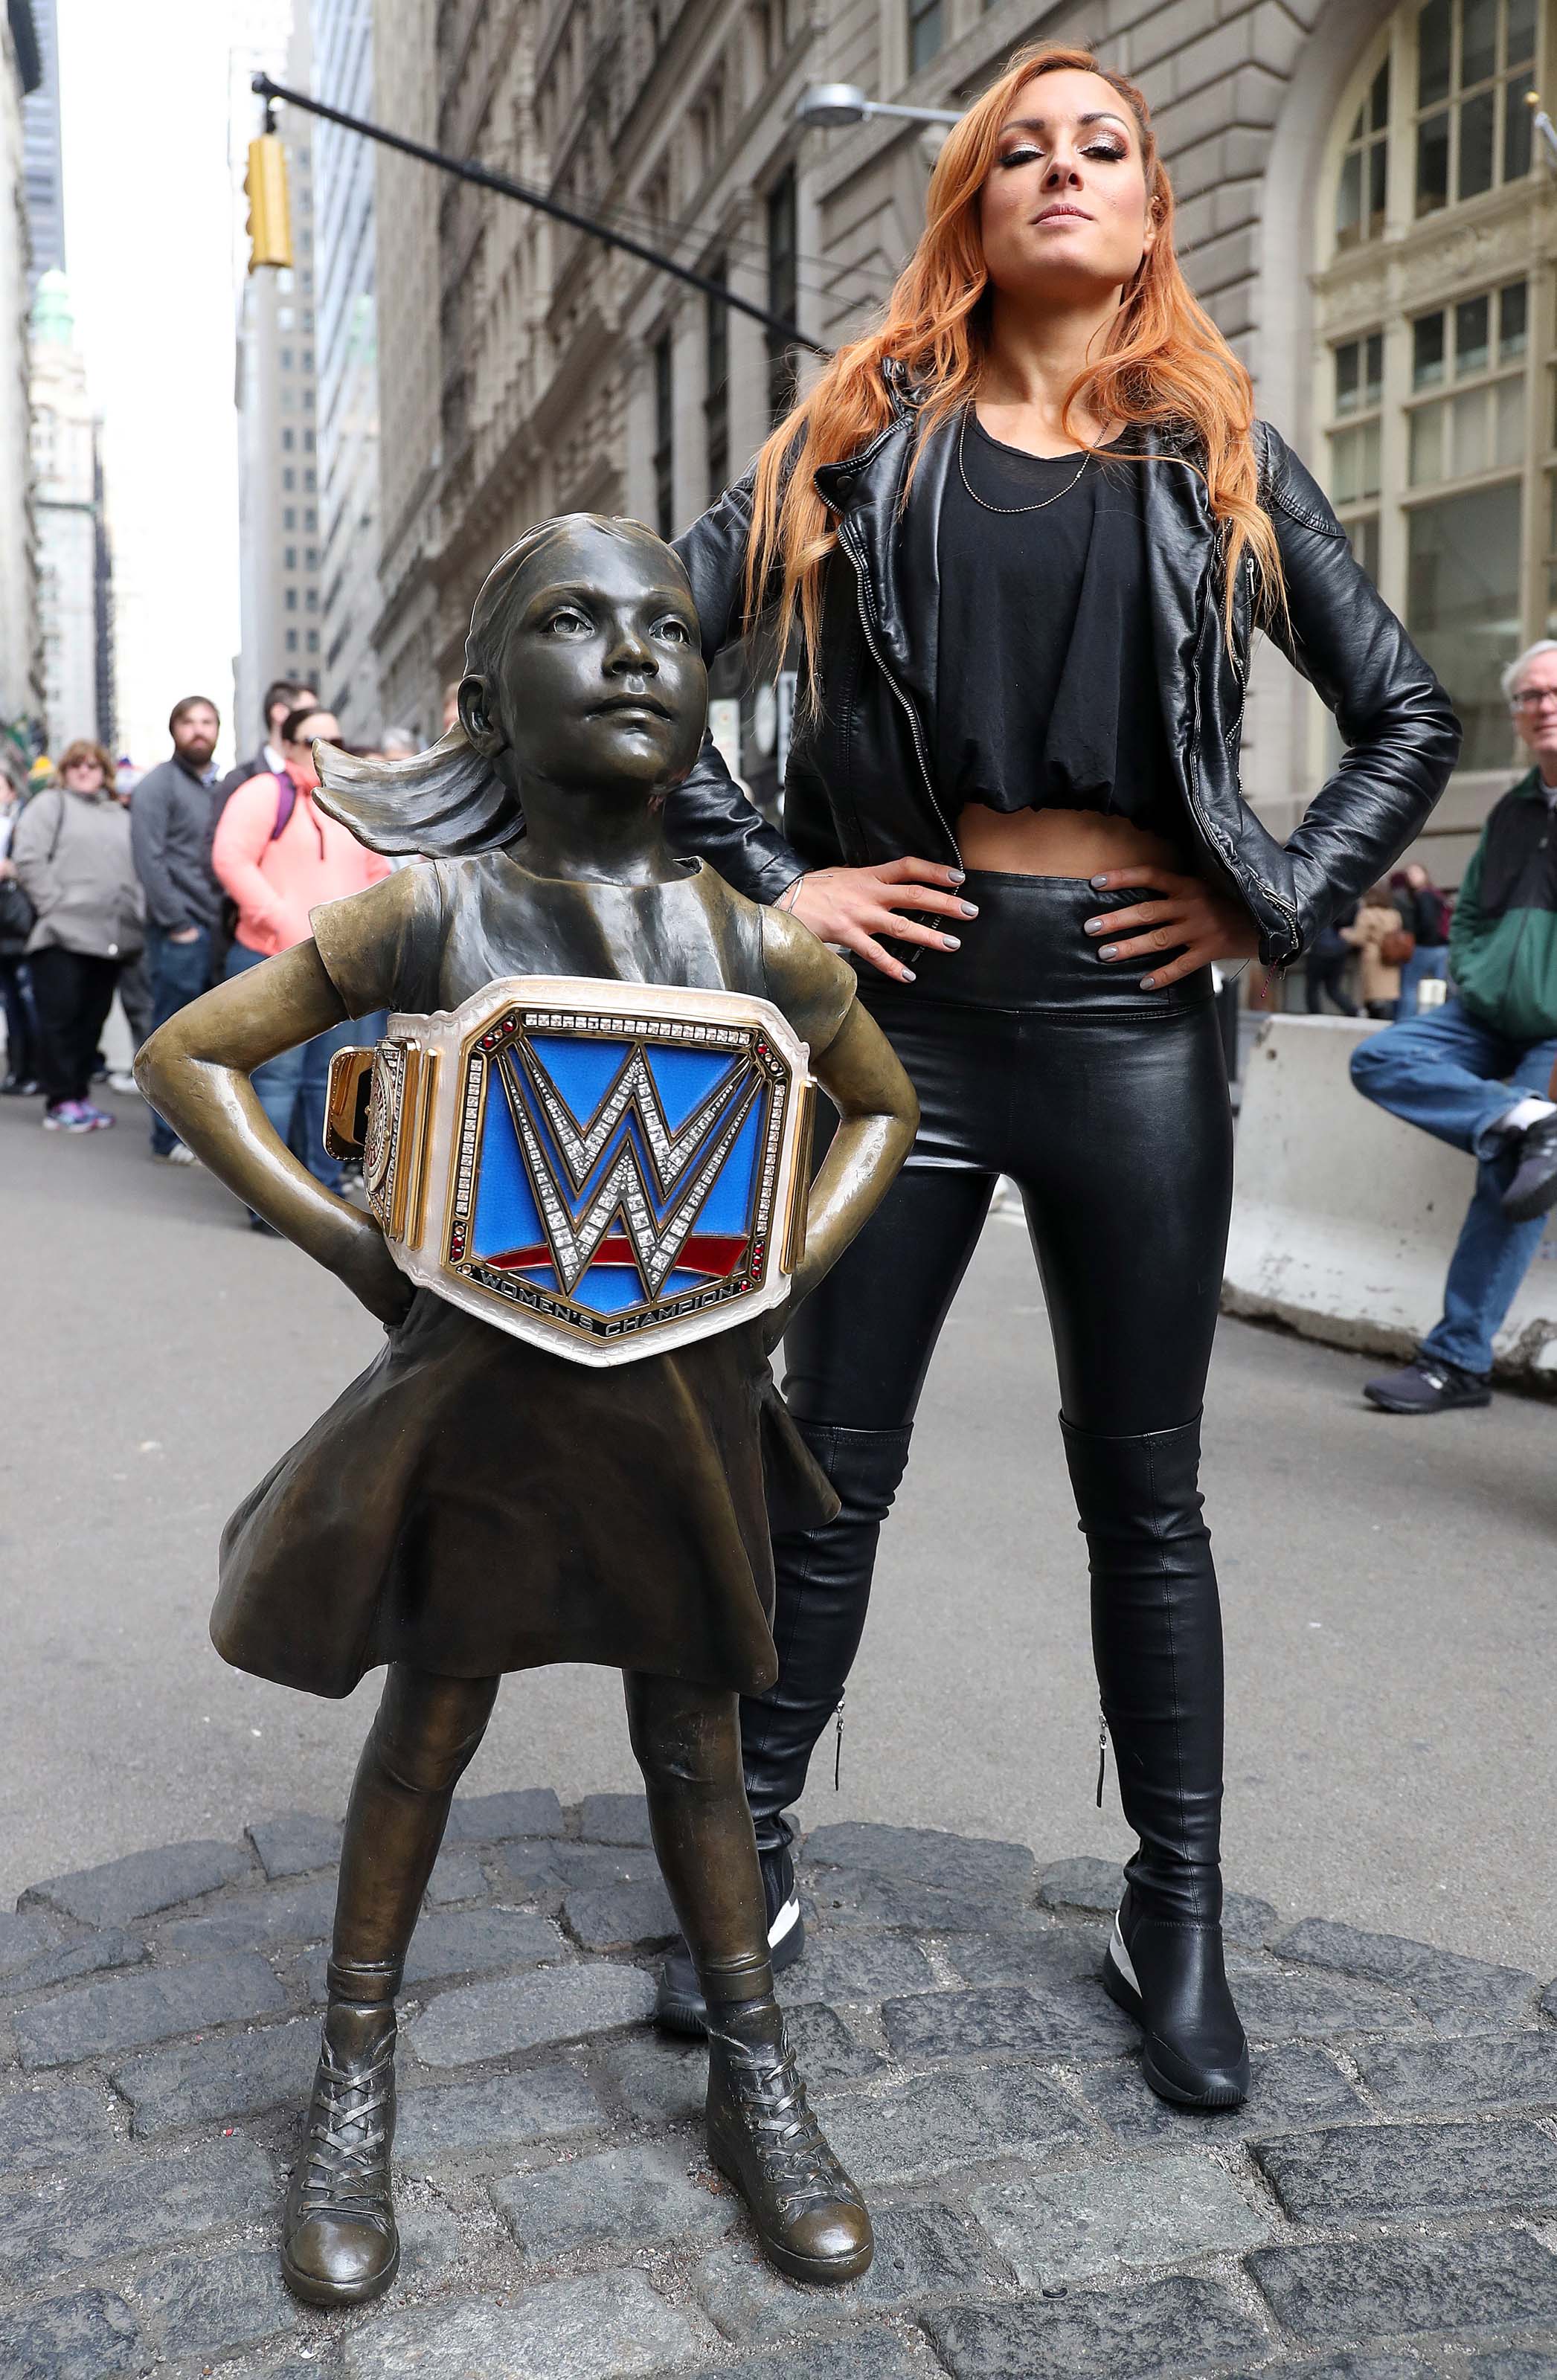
[159, 891]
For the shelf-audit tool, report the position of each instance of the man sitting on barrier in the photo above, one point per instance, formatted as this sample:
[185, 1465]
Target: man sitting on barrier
[1479, 1071]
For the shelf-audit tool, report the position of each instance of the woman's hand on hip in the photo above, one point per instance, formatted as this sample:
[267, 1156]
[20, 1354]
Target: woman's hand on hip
[852, 905]
[1189, 918]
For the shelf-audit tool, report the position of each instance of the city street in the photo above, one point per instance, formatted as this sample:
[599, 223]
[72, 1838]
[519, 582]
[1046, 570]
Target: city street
[1391, 1587]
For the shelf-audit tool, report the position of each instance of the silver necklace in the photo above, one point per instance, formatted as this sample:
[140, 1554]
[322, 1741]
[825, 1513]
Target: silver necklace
[1042, 506]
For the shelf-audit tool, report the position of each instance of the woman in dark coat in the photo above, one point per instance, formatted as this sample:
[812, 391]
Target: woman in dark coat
[476, 1503]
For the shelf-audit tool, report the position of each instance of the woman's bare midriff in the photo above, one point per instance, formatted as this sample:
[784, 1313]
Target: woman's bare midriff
[1060, 843]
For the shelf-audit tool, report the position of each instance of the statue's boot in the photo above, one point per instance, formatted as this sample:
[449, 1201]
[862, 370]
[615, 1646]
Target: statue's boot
[1157, 1640]
[761, 2134]
[339, 2243]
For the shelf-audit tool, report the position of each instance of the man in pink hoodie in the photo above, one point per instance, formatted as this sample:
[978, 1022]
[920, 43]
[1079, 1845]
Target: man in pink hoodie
[278, 856]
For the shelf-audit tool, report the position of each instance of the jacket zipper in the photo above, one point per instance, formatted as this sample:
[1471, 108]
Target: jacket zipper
[913, 717]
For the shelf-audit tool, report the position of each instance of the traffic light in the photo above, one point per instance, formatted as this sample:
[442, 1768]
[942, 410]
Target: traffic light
[270, 216]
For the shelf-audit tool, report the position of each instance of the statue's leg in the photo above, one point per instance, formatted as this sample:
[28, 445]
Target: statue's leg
[339, 2243]
[810, 2216]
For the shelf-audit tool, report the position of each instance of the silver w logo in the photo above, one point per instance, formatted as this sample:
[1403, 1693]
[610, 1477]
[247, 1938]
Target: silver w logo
[700, 1149]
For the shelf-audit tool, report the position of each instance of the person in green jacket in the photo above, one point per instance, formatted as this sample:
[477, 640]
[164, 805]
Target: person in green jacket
[1477, 1072]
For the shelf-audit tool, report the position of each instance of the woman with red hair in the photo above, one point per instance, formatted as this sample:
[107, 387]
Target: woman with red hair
[1025, 532]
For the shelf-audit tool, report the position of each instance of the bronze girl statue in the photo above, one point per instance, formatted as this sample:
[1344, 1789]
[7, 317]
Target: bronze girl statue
[562, 1453]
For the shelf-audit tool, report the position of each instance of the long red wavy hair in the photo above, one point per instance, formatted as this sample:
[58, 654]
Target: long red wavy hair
[1163, 360]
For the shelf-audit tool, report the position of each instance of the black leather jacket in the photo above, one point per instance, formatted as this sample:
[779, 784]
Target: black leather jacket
[859, 787]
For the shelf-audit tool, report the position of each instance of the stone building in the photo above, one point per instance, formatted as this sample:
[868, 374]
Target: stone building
[1360, 206]
[21, 679]
[347, 348]
[277, 438]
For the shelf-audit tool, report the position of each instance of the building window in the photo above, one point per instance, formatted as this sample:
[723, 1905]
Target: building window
[1441, 416]
[289, 478]
[665, 437]
[290, 598]
[286, 358]
[716, 401]
[313, 640]
[1359, 196]
[291, 640]
[289, 558]
[927, 31]
[288, 441]
[1475, 62]
[783, 292]
[289, 517]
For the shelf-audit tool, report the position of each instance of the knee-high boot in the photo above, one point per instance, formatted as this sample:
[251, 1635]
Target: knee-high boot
[339, 2241]
[821, 1590]
[1157, 1642]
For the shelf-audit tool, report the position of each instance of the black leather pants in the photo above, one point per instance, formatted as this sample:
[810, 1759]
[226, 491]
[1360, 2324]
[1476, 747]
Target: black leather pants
[1108, 1106]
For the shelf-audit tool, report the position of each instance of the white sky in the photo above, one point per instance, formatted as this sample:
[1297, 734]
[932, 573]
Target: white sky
[148, 247]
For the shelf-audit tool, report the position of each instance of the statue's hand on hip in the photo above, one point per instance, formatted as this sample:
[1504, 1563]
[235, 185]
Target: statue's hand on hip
[371, 1274]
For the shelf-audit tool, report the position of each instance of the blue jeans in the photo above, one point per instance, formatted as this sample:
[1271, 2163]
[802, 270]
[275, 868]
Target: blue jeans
[1454, 1077]
[292, 1088]
[179, 971]
[1420, 965]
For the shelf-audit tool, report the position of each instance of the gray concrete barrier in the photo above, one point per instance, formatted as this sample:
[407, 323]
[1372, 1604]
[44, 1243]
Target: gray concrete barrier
[1344, 1219]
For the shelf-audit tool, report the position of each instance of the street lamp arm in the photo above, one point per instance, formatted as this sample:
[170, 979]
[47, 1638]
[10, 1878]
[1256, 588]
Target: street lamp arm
[465, 169]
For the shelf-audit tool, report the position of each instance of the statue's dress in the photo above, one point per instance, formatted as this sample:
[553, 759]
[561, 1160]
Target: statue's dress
[473, 1504]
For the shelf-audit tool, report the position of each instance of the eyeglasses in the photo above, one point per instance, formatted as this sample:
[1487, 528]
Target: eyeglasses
[1533, 697]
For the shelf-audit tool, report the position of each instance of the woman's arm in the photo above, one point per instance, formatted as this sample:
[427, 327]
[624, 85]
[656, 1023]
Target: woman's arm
[708, 813]
[195, 1071]
[34, 848]
[1401, 732]
[877, 1115]
[242, 837]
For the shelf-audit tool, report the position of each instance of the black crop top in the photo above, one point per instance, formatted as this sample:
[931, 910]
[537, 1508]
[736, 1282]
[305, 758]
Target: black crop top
[1047, 694]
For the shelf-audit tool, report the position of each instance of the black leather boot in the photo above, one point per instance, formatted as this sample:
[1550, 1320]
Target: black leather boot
[339, 2244]
[1157, 1641]
[761, 2134]
[821, 1588]
[679, 2006]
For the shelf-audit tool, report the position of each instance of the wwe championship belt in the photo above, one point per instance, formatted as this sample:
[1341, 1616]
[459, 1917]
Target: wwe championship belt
[606, 1170]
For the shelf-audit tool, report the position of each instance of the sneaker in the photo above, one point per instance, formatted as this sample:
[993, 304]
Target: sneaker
[176, 1155]
[19, 1086]
[69, 1115]
[123, 1082]
[679, 2006]
[1533, 1190]
[98, 1118]
[1428, 1386]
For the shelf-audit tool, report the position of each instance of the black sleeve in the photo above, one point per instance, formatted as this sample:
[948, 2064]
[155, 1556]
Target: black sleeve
[709, 814]
[1401, 732]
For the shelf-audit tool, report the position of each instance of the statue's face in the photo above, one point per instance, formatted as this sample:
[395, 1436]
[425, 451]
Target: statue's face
[601, 679]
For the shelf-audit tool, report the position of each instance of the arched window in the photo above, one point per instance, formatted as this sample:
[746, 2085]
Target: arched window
[1434, 341]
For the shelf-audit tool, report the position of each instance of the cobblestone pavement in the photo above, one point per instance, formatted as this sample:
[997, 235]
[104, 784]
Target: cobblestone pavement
[1384, 2208]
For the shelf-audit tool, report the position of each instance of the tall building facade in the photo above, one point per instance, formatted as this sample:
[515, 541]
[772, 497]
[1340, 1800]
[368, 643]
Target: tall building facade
[41, 151]
[21, 683]
[1360, 206]
[278, 445]
[75, 584]
[346, 348]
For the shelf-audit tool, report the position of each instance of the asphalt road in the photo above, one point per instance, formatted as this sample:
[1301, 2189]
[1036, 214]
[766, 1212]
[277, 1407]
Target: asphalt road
[1391, 1587]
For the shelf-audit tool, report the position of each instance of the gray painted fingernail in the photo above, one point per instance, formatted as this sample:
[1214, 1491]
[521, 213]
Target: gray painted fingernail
[950, 942]
[1149, 983]
[1093, 926]
[1109, 951]
[968, 909]
[909, 976]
